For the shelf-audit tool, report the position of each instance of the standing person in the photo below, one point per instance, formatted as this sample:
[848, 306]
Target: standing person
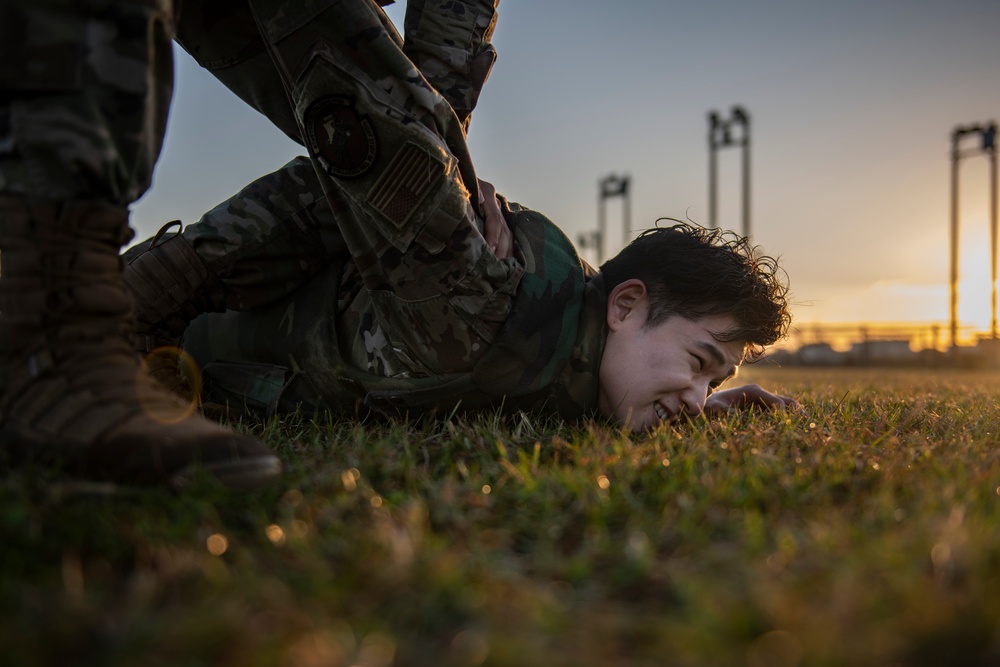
[84, 92]
[389, 295]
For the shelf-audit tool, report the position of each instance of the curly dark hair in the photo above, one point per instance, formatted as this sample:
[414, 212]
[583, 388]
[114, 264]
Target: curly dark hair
[695, 272]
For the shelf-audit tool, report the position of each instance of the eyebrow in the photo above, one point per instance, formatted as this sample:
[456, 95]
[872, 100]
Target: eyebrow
[716, 354]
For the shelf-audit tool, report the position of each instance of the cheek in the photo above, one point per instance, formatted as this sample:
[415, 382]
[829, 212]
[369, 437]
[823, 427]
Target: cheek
[619, 376]
[635, 365]
[673, 373]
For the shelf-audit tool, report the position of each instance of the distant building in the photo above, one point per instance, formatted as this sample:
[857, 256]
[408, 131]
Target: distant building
[881, 352]
[819, 354]
[891, 347]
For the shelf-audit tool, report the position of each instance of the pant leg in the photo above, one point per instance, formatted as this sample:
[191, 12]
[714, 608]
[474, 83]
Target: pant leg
[381, 137]
[222, 36]
[449, 42]
[85, 89]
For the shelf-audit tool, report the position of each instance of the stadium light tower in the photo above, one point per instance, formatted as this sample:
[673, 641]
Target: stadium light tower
[607, 187]
[988, 146]
[720, 135]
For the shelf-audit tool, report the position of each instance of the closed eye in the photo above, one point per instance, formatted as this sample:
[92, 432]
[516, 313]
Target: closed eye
[700, 362]
[717, 356]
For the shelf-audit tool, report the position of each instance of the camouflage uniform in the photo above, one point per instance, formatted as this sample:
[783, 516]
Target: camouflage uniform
[408, 307]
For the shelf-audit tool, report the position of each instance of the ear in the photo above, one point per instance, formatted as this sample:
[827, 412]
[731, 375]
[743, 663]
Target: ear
[627, 299]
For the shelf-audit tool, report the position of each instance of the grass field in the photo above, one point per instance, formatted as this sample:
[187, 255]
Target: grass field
[862, 530]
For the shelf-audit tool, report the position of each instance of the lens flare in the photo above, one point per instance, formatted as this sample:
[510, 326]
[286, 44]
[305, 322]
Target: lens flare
[173, 369]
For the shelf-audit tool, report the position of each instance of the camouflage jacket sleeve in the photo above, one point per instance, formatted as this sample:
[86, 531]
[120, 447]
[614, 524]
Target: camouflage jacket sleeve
[449, 41]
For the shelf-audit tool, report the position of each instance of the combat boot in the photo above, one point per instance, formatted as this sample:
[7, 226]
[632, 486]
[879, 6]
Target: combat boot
[170, 285]
[75, 391]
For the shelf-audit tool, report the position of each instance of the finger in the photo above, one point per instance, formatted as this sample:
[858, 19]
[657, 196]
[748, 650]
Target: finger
[505, 244]
[492, 234]
[495, 226]
[783, 402]
[714, 406]
[765, 399]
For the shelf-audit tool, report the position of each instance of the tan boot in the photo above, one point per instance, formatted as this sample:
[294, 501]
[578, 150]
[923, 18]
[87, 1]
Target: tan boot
[75, 391]
[170, 285]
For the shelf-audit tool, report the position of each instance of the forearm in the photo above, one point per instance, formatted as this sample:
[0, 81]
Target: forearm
[449, 41]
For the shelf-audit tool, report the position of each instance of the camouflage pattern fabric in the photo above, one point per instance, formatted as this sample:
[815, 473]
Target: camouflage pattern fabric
[392, 158]
[449, 43]
[270, 237]
[85, 87]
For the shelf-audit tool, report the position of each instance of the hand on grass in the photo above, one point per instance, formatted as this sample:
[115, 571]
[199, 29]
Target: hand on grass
[745, 396]
[498, 236]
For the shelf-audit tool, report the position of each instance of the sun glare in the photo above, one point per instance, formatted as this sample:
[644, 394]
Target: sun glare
[974, 282]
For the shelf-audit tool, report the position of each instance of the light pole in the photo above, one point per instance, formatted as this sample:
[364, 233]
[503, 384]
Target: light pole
[720, 135]
[987, 135]
[607, 187]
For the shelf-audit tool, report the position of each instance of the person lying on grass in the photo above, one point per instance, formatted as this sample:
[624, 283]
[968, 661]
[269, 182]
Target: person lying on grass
[381, 276]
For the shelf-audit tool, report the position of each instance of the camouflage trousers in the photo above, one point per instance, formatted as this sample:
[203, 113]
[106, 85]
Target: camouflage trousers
[389, 180]
[84, 91]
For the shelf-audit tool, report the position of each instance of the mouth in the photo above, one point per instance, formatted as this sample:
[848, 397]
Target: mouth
[662, 412]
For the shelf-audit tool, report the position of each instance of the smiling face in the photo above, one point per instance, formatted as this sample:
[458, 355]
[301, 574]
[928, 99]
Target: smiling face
[649, 375]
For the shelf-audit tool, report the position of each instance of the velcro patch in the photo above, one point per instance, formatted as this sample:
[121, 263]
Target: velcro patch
[343, 139]
[410, 176]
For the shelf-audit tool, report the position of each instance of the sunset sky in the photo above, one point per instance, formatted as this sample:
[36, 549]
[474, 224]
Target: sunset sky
[852, 105]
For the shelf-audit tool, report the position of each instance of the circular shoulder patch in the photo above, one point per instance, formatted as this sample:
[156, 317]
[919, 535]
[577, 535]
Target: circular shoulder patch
[342, 139]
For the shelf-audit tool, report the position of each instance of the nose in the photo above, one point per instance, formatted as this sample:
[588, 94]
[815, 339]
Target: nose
[693, 402]
[693, 398]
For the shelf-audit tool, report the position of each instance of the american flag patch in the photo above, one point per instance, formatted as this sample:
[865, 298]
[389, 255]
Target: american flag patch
[405, 182]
